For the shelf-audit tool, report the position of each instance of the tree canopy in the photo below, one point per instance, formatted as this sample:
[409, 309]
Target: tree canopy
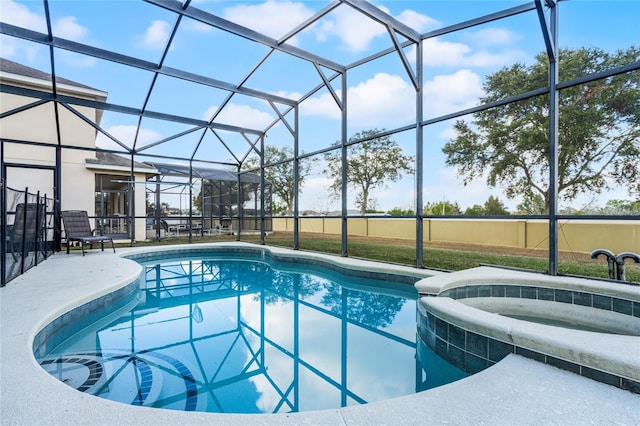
[492, 207]
[533, 205]
[442, 208]
[598, 137]
[475, 210]
[399, 211]
[622, 207]
[370, 165]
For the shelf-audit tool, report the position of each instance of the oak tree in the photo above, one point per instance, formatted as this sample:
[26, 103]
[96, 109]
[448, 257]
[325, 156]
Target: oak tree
[371, 164]
[598, 137]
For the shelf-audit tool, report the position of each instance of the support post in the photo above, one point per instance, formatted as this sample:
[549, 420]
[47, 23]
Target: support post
[132, 203]
[262, 184]
[553, 144]
[550, 36]
[190, 201]
[156, 211]
[36, 234]
[345, 182]
[24, 230]
[419, 159]
[239, 199]
[3, 218]
[296, 183]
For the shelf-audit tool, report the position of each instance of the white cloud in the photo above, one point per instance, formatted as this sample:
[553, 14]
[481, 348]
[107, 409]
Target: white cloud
[354, 29]
[126, 135]
[240, 115]
[384, 96]
[387, 100]
[272, 18]
[20, 15]
[454, 92]
[322, 105]
[68, 27]
[13, 48]
[156, 35]
[417, 21]
[446, 53]
[383, 100]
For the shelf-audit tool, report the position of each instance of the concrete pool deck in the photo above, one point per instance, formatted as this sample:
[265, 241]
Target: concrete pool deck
[514, 391]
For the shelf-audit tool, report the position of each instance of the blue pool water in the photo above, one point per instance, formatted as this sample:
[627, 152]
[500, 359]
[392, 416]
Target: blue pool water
[220, 334]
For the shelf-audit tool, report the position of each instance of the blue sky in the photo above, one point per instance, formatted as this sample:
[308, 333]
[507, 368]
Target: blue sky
[380, 94]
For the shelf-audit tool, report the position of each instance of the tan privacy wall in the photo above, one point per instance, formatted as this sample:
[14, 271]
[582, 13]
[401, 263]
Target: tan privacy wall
[576, 236]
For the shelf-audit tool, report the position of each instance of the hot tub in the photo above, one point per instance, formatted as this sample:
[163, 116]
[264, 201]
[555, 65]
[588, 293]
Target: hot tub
[559, 315]
[474, 318]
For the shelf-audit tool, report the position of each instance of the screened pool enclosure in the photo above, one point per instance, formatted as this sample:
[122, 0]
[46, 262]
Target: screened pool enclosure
[215, 201]
[221, 114]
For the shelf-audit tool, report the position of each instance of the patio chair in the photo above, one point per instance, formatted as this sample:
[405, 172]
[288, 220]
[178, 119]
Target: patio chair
[77, 228]
[169, 230]
[27, 230]
[225, 227]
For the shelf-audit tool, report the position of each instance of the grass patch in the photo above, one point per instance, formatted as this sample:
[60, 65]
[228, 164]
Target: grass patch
[452, 258]
[449, 259]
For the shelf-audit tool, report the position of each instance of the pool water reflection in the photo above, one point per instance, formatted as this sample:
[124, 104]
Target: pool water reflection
[252, 336]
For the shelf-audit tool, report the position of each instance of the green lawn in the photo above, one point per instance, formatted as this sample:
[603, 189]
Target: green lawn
[449, 259]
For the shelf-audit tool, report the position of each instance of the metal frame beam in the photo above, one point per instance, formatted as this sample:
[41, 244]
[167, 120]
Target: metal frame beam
[383, 18]
[72, 100]
[480, 20]
[419, 160]
[107, 55]
[550, 34]
[405, 62]
[244, 32]
[344, 153]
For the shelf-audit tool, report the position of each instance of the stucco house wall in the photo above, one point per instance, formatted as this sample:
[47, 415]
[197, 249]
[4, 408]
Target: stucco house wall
[37, 125]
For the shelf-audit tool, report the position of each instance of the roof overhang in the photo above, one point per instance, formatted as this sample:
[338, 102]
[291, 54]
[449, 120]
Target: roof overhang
[114, 168]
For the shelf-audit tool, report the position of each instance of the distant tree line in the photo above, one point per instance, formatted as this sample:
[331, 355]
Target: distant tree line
[492, 207]
[530, 206]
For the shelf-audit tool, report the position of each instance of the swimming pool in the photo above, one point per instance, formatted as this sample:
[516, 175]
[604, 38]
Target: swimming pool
[246, 332]
[65, 283]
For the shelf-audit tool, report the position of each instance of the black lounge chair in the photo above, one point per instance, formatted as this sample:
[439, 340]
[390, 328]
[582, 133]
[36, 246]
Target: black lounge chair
[78, 228]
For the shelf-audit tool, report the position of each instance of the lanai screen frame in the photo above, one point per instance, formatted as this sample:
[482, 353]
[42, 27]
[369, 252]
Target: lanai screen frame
[255, 137]
[208, 178]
